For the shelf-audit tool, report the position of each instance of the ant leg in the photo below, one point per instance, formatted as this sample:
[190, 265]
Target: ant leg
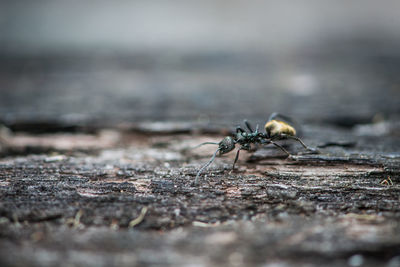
[279, 115]
[248, 125]
[196, 180]
[300, 141]
[281, 148]
[264, 141]
[243, 147]
[236, 159]
[273, 116]
[239, 129]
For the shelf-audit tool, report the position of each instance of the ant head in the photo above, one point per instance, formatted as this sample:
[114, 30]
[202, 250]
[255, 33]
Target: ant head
[226, 145]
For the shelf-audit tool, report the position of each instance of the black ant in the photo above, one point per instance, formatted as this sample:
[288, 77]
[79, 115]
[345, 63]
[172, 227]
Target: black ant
[274, 130]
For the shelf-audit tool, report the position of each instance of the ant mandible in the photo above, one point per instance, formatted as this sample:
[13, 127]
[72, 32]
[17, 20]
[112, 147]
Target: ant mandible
[274, 130]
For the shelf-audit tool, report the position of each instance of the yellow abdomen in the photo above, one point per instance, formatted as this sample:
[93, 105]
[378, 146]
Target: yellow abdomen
[274, 128]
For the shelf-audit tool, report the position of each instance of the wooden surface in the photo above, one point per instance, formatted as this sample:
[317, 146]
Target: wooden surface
[68, 199]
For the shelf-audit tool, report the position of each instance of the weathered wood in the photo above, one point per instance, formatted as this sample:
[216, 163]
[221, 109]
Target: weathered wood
[73, 201]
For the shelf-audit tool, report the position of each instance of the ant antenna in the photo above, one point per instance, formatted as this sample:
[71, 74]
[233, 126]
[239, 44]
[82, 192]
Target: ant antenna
[206, 165]
[205, 143]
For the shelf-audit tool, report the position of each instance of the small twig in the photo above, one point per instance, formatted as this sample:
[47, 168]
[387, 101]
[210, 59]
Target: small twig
[203, 224]
[387, 181]
[76, 221]
[139, 219]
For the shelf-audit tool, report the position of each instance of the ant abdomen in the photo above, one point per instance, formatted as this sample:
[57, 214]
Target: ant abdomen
[275, 128]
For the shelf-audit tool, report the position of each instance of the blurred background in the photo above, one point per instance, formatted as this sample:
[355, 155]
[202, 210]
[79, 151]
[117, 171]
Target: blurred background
[82, 62]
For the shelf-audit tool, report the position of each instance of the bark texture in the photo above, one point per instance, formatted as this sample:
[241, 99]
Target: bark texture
[72, 201]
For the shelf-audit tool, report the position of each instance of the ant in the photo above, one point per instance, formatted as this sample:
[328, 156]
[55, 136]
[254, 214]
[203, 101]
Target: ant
[274, 130]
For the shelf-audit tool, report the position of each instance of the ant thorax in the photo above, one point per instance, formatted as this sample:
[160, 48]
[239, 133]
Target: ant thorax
[244, 138]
